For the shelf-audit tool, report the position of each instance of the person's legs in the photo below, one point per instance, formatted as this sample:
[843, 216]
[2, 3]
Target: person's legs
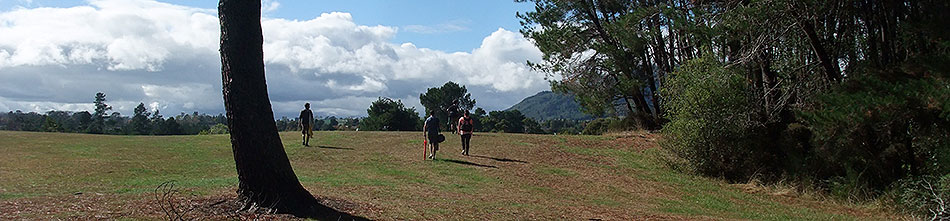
[309, 134]
[431, 147]
[466, 143]
[306, 135]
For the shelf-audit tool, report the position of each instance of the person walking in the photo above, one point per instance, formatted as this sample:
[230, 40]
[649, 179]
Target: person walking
[453, 111]
[466, 126]
[430, 132]
[305, 121]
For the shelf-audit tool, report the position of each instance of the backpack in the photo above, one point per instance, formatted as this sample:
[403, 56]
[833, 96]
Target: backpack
[467, 125]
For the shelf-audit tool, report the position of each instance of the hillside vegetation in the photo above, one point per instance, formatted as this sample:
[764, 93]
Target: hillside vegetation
[381, 175]
[547, 105]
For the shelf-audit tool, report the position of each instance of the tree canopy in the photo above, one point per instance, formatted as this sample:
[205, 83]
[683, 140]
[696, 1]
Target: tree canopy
[390, 115]
[851, 90]
[441, 99]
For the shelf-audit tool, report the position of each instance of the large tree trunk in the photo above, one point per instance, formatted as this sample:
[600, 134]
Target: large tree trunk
[266, 178]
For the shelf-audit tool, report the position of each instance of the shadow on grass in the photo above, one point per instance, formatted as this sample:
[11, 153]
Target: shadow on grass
[234, 208]
[322, 212]
[499, 159]
[466, 163]
[332, 147]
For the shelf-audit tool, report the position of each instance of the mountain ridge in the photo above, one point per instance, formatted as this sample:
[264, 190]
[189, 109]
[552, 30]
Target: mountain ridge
[547, 105]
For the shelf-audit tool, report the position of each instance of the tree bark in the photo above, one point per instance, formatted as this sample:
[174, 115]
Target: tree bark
[267, 180]
[827, 63]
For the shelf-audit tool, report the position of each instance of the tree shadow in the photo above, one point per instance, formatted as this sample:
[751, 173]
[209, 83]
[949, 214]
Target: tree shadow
[332, 147]
[467, 163]
[323, 212]
[500, 159]
[230, 208]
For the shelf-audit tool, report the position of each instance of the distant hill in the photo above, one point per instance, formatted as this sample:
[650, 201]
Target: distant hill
[549, 105]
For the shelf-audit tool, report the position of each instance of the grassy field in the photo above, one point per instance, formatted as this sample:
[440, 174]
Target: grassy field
[382, 175]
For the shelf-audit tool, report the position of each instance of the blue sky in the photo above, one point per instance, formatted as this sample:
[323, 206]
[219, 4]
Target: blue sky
[338, 55]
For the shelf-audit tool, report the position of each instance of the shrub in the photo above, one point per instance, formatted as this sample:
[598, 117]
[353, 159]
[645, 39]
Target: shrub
[712, 125]
[926, 197]
[627, 123]
[881, 131]
[216, 129]
[597, 126]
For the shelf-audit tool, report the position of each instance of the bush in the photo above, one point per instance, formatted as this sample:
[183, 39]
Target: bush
[600, 126]
[712, 125]
[597, 126]
[881, 131]
[216, 129]
[627, 123]
[927, 197]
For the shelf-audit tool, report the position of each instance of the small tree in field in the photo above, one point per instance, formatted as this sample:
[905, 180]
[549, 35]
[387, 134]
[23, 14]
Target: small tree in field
[441, 98]
[390, 115]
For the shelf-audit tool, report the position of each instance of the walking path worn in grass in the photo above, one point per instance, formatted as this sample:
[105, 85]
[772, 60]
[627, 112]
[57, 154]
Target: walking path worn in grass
[382, 175]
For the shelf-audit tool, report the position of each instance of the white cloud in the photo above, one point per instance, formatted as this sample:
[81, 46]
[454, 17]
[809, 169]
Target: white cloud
[189, 95]
[445, 27]
[166, 56]
[268, 6]
[121, 35]
[363, 50]
[368, 85]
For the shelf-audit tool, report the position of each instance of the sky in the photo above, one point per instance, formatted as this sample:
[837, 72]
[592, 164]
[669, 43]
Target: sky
[338, 55]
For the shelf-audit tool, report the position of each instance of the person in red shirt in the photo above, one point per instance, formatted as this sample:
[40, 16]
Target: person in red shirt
[465, 128]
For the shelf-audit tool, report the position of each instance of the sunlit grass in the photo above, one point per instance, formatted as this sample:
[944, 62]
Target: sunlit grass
[508, 176]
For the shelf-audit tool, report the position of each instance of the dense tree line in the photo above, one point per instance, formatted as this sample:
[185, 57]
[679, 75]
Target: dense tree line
[143, 122]
[115, 123]
[100, 121]
[849, 96]
[329, 123]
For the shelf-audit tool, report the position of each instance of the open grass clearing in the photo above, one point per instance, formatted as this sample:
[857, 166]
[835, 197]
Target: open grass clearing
[382, 175]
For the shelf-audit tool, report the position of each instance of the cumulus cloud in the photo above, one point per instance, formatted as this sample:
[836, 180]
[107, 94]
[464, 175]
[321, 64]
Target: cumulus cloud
[120, 35]
[166, 56]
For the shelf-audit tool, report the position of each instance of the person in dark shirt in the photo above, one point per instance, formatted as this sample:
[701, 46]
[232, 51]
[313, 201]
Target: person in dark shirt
[466, 126]
[306, 124]
[431, 132]
[454, 113]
